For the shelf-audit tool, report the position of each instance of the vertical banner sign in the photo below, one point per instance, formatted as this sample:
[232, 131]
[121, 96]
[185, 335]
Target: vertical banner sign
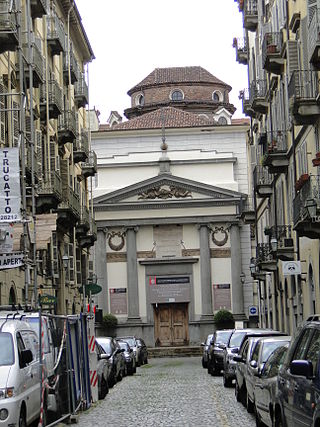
[10, 196]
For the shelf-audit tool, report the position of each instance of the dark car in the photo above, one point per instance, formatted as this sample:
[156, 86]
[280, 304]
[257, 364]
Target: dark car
[205, 346]
[265, 388]
[232, 349]
[262, 350]
[215, 351]
[132, 341]
[128, 355]
[103, 371]
[112, 349]
[143, 351]
[299, 380]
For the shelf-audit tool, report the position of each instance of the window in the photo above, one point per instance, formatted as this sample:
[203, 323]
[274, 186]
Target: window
[314, 349]
[216, 96]
[222, 121]
[302, 345]
[140, 100]
[177, 95]
[255, 353]
[274, 362]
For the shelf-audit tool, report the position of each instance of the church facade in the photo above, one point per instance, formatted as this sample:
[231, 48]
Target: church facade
[174, 240]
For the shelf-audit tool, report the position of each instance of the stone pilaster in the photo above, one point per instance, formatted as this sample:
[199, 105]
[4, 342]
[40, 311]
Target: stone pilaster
[101, 269]
[132, 276]
[205, 273]
[237, 291]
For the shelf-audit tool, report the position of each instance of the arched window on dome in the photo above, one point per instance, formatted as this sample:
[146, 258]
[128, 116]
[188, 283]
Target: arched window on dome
[177, 95]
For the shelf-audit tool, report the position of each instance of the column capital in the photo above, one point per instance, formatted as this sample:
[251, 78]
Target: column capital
[103, 230]
[203, 225]
[135, 228]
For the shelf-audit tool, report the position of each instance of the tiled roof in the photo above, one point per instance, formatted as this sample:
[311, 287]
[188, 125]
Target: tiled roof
[241, 121]
[173, 118]
[177, 75]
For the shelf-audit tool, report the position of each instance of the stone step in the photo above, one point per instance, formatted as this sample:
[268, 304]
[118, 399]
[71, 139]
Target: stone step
[175, 351]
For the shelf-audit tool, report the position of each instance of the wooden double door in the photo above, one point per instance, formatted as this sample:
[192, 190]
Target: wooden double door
[171, 324]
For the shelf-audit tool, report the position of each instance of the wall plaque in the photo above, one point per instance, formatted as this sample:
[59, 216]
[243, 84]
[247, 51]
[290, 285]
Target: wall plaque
[221, 296]
[118, 300]
[169, 289]
[167, 240]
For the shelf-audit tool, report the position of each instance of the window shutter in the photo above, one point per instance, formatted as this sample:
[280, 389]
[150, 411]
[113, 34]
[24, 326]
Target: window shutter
[312, 8]
[78, 267]
[71, 263]
[15, 124]
[54, 255]
[64, 171]
[292, 56]
[52, 159]
[38, 148]
[2, 114]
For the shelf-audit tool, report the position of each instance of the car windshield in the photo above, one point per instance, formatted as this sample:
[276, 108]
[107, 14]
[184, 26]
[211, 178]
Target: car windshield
[130, 341]
[123, 345]
[106, 345]
[236, 339]
[7, 353]
[222, 337]
[269, 348]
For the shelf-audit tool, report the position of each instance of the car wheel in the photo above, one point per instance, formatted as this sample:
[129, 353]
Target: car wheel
[213, 369]
[250, 405]
[278, 421]
[22, 418]
[227, 382]
[237, 392]
[243, 394]
[103, 389]
[204, 364]
[259, 423]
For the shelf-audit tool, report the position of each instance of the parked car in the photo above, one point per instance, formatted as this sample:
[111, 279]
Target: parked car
[143, 351]
[130, 360]
[20, 374]
[232, 349]
[243, 359]
[103, 371]
[299, 379]
[215, 351]
[132, 341]
[265, 388]
[111, 348]
[262, 350]
[205, 346]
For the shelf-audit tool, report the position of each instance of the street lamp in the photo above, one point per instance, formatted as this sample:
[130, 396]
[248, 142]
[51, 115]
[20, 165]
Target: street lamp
[65, 261]
[252, 266]
[274, 244]
[311, 207]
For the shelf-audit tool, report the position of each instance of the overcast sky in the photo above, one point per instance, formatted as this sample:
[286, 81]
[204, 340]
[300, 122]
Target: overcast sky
[130, 38]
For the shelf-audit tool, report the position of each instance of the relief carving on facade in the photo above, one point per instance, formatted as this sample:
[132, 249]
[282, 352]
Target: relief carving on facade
[219, 235]
[116, 240]
[118, 257]
[165, 192]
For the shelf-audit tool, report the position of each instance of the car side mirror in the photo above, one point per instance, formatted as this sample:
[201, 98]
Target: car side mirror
[202, 344]
[26, 357]
[104, 356]
[235, 350]
[238, 359]
[303, 368]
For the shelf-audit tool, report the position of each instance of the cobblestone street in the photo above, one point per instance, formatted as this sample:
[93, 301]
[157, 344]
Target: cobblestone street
[169, 392]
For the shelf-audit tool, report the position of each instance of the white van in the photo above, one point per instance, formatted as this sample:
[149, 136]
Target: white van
[19, 374]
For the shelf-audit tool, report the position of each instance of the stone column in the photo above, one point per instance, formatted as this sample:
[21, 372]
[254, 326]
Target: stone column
[132, 275]
[205, 273]
[101, 269]
[236, 288]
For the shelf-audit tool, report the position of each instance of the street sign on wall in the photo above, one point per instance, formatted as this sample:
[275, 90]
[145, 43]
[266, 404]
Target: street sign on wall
[291, 268]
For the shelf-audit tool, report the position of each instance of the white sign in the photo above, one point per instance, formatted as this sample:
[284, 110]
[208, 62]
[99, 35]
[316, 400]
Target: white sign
[11, 261]
[291, 268]
[10, 196]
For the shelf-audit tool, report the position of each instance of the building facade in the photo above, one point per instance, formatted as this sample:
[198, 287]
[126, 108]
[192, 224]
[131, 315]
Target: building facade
[43, 98]
[280, 47]
[170, 204]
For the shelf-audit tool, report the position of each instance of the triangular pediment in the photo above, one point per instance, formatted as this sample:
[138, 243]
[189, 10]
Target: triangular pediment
[168, 188]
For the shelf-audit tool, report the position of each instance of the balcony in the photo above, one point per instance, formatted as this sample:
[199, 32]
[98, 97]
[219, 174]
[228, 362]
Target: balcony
[89, 168]
[240, 44]
[38, 8]
[81, 147]
[67, 131]
[265, 259]
[73, 69]
[49, 192]
[35, 58]
[303, 94]
[306, 209]
[258, 96]
[272, 60]
[284, 242]
[250, 15]
[8, 26]
[275, 152]
[314, 39]
[247, 211]
[55, 103]
[69, 210]
[247, 109]
[83, 225]
[262, 181]
[88, 240]
[55, 35]
[81, 93]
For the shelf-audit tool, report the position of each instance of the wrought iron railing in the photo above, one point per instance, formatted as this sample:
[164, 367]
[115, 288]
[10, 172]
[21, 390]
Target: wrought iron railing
[309, 192]
[303, 85]
[261, 176]
[277, 141]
